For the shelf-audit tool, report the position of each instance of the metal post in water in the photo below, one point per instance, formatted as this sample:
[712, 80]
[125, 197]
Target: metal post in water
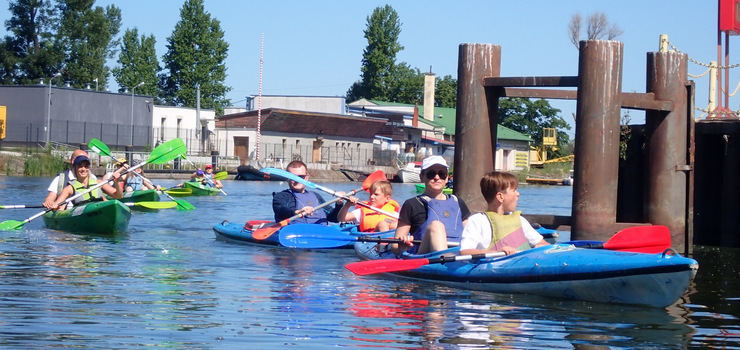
[667, 142]
[477, 119]
[597, 139]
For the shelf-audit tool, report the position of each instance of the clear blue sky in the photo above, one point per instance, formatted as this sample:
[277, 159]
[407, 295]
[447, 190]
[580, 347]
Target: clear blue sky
[315, 47]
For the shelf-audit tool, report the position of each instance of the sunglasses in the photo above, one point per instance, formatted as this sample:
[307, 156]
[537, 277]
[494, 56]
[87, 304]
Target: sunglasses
[431, 173]
[301, 176]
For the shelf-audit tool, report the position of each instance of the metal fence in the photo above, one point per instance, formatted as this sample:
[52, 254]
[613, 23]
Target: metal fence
[341, 155]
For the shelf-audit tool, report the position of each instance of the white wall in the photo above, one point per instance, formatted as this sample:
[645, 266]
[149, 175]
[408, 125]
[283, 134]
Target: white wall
[174, 121]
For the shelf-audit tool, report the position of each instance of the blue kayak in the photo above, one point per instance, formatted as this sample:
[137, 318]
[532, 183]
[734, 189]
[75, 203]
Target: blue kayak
[242, 233]
[561, 271]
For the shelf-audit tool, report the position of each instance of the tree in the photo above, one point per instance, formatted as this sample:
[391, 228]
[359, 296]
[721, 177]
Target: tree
[379, 56]
[597, 28]
[445, 93]
[530, 117]
[196, 52]
[29, 54]
[138, 62]
[87, 39]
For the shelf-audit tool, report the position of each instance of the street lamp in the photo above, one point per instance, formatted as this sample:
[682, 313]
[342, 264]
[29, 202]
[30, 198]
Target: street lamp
[132, 111]
[48, 109]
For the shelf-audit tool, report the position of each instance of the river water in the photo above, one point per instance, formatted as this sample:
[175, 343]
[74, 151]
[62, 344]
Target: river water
[169, 283]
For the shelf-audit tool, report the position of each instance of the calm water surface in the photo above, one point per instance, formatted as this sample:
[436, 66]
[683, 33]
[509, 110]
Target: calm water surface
[168, 283]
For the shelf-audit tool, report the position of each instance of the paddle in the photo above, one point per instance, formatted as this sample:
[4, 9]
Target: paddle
[640, 239]
[392, 265]
[179, 192]
[162, 154]
[147, 205]
[290, 176]
[221, 175]
[264, 232]
[320, 236]
[652, 239]
[101, 148]
[213, 177]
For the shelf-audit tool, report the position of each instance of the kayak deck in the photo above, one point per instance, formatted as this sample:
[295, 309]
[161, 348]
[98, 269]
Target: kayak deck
[562, 271]
[200, 189]
[238, 233]
[103, 217]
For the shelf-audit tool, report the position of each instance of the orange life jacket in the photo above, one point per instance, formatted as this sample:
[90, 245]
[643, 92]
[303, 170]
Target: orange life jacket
[371, 218]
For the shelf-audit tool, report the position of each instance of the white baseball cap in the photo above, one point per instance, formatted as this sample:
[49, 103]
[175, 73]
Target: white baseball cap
[433, 160]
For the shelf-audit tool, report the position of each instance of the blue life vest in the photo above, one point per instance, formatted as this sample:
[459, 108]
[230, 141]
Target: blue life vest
[209, 180]
[445, 211]
[135, 183]
[309, 199]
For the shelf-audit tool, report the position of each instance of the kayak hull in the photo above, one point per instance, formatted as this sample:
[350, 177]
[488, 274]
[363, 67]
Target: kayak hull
[104, 217]
[238, 233]
[200, 189]
[141, 196]
[563, 271]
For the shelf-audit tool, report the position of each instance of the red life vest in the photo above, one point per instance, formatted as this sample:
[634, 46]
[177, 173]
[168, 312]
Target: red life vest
[371, 218]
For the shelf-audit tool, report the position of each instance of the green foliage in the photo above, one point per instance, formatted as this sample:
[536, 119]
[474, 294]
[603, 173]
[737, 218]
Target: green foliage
[138, 62]
[530, 117]
[379, 57]
[87, 39]
[42, 163]
[625, 134]
[195, 57]
[29, 53]
[445, 92]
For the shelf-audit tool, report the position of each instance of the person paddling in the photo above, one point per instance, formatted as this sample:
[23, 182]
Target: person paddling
[432, 217]
[500, 228]
[296, 200]
[84, 180]
[369, 220]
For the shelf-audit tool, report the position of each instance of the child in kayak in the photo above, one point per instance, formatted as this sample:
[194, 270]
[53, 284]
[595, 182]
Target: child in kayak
[369, 220]
[500, 228]
[433, 217]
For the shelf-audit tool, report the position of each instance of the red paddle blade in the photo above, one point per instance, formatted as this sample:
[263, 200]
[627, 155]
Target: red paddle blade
[372, 178]
[641, 239]
[266, 232]
[385, 265]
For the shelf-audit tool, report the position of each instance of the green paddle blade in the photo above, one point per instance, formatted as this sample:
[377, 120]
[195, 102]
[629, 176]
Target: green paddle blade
[99, 147]
[153, 205]
[167, 151]
[179, 192]
[10, 225]
[220, 175]
[183, 204]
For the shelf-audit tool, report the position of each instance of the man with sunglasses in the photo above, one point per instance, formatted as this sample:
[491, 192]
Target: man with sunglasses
[432, 217]
[297, 200]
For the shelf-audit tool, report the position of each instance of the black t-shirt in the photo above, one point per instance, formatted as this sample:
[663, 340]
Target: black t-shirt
[414, 212]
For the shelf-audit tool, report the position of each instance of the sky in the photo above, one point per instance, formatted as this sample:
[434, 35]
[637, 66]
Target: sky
[314, 48]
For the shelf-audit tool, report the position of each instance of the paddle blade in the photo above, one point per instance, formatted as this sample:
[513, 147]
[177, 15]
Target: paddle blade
[372, 178]
[385, 265]
[314, 236]
[99, 147]
[153, 205]
[220, 175]
[167, 151]
[179, 192]
[641, 239]
[183, 204]
[10, 225]
[265, 232]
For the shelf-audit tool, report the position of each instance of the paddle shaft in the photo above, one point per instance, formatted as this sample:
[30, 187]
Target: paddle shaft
[195, 166]
[293, 177]
[322, 205]
[393, 265]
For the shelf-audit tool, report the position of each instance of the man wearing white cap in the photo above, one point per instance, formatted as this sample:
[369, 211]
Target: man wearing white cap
[432, 217]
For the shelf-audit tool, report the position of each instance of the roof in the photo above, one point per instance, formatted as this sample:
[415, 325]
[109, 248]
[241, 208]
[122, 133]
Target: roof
[299, 122]
[446, 117]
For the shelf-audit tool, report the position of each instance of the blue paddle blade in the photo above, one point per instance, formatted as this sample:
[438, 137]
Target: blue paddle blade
[310, 236]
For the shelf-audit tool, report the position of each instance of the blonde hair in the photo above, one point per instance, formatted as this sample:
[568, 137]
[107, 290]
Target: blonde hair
[384, 185]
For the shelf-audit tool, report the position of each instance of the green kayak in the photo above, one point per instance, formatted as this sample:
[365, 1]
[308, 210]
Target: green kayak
[139, 196]
[201, 190]
[103, 217]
